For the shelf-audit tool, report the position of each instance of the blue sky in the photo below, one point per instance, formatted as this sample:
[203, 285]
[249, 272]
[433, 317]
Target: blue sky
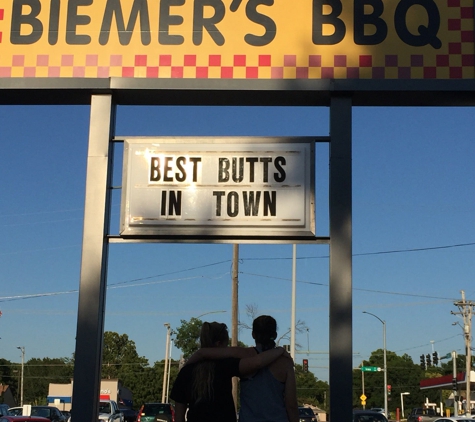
[413, 234]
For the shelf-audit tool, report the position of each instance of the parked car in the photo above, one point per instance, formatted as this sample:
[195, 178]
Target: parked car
[307, 415]
[455, 419]
[130, 415]
[368, 416]
[20, 418]
[156, 412]
[421, 414]
[109, 411]
[50, 412]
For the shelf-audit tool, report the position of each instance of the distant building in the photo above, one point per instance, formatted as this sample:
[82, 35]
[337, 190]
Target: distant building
[60, 395]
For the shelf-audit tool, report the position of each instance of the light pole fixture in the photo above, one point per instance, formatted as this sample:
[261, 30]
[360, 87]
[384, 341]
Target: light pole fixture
[211, 312]
[384, 363]
[402, 402]
[22, 348]
[165, 365]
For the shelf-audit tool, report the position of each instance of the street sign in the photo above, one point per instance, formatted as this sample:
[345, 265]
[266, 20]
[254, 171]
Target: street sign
[363, 397]
[370, 368]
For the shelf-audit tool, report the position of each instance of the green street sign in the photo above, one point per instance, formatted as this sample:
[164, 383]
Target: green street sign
[370, 368]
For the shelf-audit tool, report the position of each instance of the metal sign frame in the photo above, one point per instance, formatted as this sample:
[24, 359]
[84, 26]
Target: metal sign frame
[104, 92]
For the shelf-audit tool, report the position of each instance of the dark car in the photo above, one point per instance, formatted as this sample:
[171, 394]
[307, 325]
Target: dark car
[50, 412]
[130, 415]
[156, 412]
[368, 416]
[307, 415]
[10, 418]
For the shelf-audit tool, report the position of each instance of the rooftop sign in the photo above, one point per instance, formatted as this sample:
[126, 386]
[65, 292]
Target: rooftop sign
[218, 187]
[237, 39]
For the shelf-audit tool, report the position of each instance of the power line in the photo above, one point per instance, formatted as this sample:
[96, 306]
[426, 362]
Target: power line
[228, 261]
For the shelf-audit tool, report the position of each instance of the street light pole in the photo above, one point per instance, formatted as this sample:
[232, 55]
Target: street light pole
[169, 369]
[402, 402]
[384, 363]
[22, 372]
[165, 366]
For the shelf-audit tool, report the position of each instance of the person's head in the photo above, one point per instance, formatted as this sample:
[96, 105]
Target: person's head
[264, 331]
[214, 334]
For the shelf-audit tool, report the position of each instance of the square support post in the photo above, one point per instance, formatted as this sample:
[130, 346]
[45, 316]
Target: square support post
[93, 278]
[341, 345]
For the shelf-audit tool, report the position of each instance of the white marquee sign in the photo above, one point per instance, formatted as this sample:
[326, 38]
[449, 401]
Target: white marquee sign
[218, 187]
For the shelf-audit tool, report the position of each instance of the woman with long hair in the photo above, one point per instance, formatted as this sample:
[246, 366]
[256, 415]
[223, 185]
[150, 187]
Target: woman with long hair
[268, 394]
[204, 387]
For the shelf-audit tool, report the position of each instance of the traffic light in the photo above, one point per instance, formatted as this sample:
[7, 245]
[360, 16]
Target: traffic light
[454, 384]
[435, 358]
[428, 362]
[389, 390]
[305, 365]
[423, 362]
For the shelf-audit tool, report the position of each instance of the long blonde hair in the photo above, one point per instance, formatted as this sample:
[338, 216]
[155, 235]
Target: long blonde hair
[212, 333]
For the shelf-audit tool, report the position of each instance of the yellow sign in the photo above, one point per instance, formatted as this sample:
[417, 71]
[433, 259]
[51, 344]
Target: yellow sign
[363, 397]
[237, 39]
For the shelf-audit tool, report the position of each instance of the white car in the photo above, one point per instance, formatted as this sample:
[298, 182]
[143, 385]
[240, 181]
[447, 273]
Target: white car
[109, 412]
[455, 419]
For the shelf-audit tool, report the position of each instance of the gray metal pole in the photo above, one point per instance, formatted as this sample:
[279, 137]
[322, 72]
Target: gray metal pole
[93, 278]
[293, 307]
[467, 331]
[454, 371]
[385, 372]
[22, 349]
[165, 365]
[341, 340]
[384, 363]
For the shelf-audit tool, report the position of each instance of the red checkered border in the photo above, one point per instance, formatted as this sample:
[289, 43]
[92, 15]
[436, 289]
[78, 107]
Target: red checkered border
[457, 63]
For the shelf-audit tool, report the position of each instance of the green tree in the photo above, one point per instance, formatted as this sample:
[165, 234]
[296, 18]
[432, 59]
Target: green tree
[121, 361]
[403, 376]
[9, 375]
[188, 336]
[311, 390]
[39, 373]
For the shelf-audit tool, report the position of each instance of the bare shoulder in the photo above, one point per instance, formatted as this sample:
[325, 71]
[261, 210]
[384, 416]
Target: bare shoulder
[286, 362]
[282, 368]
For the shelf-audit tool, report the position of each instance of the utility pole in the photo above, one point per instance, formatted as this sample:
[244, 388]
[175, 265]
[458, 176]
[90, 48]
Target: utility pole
[235, 315]
[466, 310]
